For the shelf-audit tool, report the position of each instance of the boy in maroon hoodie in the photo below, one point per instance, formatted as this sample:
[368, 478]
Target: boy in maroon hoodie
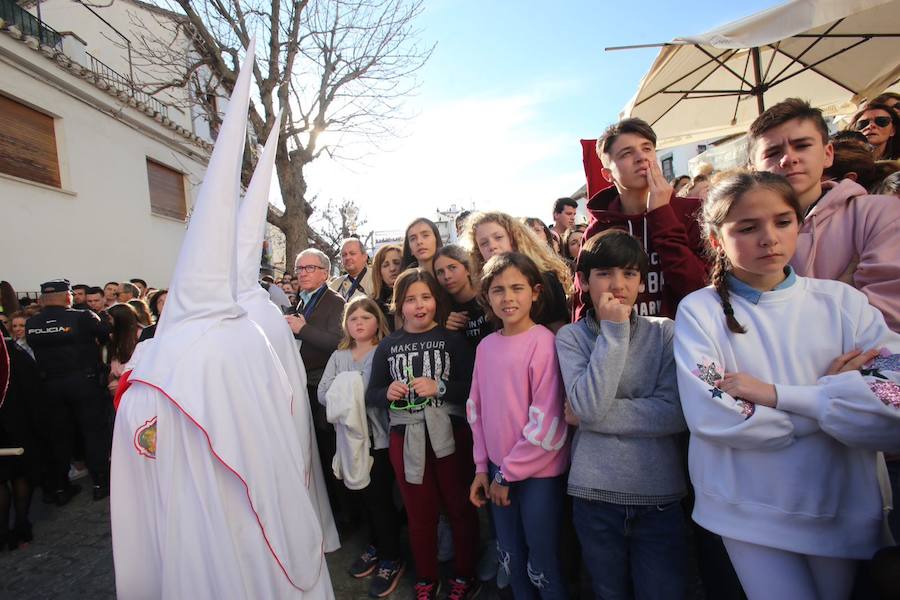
[644, 204]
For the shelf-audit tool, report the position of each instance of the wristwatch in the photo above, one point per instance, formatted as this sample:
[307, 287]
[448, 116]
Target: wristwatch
[499, 479]
[442, 388]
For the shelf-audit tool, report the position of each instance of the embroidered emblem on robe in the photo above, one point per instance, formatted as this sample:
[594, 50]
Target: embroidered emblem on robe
[145, 439]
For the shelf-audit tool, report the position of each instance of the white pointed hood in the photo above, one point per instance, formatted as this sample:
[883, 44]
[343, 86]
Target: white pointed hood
[252, 219]
[212, 363]
[203, 288]
[256, 301]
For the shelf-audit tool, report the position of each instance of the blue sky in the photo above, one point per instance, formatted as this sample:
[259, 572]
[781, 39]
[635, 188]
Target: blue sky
[508, 93]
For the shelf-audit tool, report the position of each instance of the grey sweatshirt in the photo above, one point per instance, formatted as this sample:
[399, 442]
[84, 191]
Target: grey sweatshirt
[342, 360]
[620, 381]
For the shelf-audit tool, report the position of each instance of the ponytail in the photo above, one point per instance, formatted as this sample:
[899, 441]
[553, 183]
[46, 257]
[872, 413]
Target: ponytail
[720, 282]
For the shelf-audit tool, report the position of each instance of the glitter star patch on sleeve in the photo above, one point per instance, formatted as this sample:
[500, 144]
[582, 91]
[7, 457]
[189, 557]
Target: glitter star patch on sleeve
[708, 371]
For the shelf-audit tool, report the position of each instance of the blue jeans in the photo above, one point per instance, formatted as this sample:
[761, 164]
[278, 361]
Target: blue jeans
[893, 467]
[528, 537]
[633, 551]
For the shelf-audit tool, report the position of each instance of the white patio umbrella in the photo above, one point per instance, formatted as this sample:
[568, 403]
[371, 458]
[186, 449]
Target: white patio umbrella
[834, 53]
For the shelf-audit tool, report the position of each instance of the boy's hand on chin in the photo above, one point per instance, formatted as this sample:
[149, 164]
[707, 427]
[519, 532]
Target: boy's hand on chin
[608, 308]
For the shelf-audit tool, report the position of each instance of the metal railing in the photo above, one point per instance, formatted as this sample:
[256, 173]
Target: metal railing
[31, 25]
[119, 82]
[28, 24]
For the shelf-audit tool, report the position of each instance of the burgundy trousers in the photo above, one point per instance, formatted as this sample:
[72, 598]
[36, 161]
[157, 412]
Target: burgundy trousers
[445, 486]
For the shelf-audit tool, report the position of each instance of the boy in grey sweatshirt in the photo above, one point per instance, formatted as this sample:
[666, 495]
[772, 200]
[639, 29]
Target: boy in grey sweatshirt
[627, 476]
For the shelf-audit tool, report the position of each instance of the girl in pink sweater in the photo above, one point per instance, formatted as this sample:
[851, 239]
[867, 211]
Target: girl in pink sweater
[517, 397]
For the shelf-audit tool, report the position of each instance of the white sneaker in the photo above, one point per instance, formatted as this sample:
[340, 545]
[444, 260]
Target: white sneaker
[75, 473]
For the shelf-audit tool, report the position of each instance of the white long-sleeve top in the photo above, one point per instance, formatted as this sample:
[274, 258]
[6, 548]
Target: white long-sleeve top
[803, 476]
[346, 409]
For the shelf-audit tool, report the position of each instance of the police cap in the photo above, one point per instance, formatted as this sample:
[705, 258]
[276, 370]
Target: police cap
[56, 285]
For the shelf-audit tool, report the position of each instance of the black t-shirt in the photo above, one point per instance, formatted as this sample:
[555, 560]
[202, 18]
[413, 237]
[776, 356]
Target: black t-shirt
[478, 326]
[438, 354]
[556, 308]
[384, 303]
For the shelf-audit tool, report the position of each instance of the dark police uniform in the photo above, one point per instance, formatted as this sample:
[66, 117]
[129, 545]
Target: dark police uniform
[66, 344]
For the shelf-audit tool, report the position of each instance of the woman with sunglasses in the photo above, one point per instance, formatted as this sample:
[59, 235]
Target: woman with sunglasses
[880, 124]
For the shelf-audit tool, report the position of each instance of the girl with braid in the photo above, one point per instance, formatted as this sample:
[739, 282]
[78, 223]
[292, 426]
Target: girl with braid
[789, 387]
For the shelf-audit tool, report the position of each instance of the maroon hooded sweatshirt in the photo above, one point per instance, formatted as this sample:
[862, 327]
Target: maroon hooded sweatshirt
[671, 237]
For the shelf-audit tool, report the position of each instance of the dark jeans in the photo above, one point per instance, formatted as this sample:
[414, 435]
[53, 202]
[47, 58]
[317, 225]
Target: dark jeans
[893, 467]
[376, 502]
[528, 536]
[639, 549]
[82, 402]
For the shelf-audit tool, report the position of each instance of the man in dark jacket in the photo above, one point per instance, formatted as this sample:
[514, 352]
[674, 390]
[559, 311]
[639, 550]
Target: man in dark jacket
[66, 344]
[317, 324]
[318, 316]
[644, 204]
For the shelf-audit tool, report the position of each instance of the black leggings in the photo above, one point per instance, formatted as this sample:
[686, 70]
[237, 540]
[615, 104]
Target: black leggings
[377, 505]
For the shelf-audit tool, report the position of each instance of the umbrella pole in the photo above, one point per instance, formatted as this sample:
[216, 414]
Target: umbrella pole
[757, 79]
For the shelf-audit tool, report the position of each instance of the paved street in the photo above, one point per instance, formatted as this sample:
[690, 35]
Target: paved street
[71, 557]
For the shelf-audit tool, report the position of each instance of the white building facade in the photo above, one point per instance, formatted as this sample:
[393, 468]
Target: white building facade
[96, 179]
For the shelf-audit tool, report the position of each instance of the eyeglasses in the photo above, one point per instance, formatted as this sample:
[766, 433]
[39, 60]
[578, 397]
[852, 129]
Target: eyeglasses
[880, 121]
[414, 405]
[307, 268]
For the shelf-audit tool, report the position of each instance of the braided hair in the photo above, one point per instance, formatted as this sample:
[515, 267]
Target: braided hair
[726, 190]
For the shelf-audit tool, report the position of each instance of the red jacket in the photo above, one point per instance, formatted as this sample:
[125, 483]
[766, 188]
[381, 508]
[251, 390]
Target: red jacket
[671, 238]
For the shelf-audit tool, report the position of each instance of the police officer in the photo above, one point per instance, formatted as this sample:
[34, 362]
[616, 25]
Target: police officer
[66, 344]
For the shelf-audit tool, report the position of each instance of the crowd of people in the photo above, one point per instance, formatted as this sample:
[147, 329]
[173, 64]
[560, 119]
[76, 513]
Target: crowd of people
[66, 353]
[697, 385]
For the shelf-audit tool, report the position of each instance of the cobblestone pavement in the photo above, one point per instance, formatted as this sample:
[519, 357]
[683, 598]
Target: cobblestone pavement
[71, 557]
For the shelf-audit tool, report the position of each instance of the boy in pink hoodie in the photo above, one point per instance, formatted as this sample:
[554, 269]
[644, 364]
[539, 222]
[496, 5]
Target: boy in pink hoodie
[847, 234]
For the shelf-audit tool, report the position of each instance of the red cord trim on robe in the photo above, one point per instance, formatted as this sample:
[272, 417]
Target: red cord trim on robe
[124, 384]
[243, 482]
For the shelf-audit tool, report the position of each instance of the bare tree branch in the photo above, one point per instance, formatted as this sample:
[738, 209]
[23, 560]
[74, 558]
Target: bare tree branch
[341, 67]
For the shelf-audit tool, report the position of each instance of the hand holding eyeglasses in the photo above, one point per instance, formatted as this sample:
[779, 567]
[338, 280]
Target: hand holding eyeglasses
[397, 390]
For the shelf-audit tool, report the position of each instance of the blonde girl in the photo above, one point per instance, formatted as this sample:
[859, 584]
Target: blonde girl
[364, 327]
[491, 233]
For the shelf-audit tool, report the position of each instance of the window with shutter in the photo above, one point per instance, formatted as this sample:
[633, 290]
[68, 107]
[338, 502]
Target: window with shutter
[27, 143]
[166, 191]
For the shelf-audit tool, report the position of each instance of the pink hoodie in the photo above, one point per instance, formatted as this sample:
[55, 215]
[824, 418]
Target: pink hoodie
[515, 406]
[847, 224]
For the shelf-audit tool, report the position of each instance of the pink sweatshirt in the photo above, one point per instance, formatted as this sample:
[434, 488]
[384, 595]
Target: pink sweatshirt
[847, 223]
[515, 407]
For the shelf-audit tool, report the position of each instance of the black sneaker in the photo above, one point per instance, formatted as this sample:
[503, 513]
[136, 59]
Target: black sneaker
[21, 536]
[365, 564]
[464, 589]
[65, 495]
[427, 590]
[100, 492]
[386, 578]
